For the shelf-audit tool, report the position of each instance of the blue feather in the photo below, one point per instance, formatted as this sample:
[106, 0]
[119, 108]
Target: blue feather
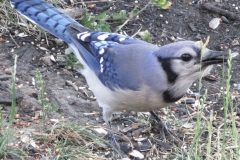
[97, 49]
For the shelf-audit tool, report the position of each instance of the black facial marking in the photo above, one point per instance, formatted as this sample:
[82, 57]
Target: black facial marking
[167, 67]
[167, 97]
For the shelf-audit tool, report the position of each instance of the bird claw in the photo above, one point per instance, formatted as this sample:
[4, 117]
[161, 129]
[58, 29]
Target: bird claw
[114, 142]
[165, 132]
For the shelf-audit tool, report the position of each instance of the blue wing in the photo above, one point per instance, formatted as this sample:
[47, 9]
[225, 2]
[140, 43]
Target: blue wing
[104, 47]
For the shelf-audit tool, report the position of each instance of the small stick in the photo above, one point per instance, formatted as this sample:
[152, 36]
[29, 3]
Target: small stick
[218, 10]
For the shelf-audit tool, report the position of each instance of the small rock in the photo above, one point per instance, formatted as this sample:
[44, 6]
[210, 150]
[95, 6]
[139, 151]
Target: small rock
[17, 116]
[52, 58]
[211, 78]
[188, 101]
[100, 131]
[224, 19]
[125, 147]
[47, 60]
[140, 139]
[192, 27]
[238, 86]
[214, 23]
[136, 125]
[126, 129]
[8, 71]
[188, 125]
[234, 54]
[25, 138]
[136, 133]
[136, 154]
[32, 142]
[160, 143]
[195, 95]
[235, 42]
[144, 146]
[70, 83]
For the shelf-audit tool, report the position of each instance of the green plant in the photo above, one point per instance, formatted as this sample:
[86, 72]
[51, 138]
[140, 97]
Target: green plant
[119, 17]
[161, 3]
[1, 118]
[77, 142]
[7, 151]
[146, 36]
[13, 91]
[97, 22]
[46, 106]
[164, 4]
[72, 60]
[6, 133]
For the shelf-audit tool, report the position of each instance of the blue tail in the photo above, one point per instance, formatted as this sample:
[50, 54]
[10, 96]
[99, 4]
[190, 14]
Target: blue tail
[46, 16]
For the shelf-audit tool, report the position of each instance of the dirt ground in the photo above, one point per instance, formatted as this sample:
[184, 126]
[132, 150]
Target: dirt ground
[185, 19]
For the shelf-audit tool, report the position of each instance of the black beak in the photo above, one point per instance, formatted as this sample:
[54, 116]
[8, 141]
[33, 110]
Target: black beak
[213, 57]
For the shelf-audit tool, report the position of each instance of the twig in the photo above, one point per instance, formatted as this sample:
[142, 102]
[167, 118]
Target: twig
[220, 11]
[99, 1]
[14, 40]
[131, 16]
[137, 32]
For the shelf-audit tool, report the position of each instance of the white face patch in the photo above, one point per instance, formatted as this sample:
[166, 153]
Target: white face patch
[102, 37]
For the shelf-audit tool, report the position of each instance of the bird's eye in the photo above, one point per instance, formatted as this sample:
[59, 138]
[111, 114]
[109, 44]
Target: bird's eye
[186, 57]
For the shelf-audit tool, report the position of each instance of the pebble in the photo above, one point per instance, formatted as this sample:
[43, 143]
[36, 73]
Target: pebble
[160, 143]
[25, 138]
[100, 131]
[214, 23]
[126, 129]
[136, 125]
[8, 71]
[192, 27]
[17, 116]
[140, 139]
[47, 60]
[125, 147]
[238, 86]
[188, 101]
[224, 19]
[144, 146]
[136, 154]
[136, 133]
[235, 42]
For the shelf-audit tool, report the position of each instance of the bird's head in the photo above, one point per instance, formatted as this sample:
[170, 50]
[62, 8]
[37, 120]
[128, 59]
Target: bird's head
[184, 62]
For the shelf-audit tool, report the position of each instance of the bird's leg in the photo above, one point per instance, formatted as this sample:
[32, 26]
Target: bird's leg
[114, 141]
[162, 124]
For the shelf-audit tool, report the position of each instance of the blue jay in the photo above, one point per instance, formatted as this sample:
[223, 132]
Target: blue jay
[125, 73]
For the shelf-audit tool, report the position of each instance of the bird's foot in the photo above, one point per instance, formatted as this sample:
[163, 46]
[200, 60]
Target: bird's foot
[165, 132]
[114, 142]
